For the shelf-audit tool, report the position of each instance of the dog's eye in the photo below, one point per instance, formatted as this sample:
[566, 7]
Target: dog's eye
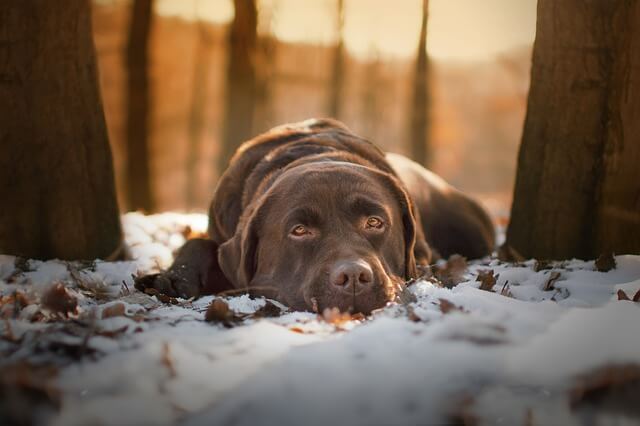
[374, 223]
[299, 231]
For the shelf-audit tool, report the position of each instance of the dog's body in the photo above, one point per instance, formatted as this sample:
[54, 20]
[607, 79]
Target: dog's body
[315, 216]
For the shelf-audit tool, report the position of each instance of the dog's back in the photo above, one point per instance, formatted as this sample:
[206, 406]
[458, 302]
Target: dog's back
[452, 222]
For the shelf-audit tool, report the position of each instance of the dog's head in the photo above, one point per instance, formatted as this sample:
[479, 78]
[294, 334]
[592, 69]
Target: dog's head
[322, 235]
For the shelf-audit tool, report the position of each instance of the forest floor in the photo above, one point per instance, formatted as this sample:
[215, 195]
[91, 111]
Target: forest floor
[484, 342]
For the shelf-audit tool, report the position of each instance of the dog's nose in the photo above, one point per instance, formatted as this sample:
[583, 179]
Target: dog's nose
[347, 275]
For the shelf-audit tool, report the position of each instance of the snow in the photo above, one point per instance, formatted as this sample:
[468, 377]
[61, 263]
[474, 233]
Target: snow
[124, 357]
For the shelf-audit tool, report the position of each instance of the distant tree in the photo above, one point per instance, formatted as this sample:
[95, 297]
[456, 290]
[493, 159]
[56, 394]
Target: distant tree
[241, 79]
[56, 173]
[369, 101]
[203, 53]
[336, 82]
[577, 191]
[419, 111]
[266, 64]
[139, 194]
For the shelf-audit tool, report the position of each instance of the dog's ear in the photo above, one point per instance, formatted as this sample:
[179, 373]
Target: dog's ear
[416, 249]
[237, 256]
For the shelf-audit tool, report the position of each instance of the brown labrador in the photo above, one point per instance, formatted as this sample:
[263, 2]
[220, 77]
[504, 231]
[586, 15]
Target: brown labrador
[314, 216]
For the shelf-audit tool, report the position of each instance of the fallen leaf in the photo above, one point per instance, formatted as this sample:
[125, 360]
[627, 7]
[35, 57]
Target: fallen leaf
[166, 360]
[605, 262]
[25, 391]
[59, 300]
[452, 272]
[446, 307]
[219, 312]
[161, 296]
[269, 309]
[622, 295]
[296, 330]
[11, 305]
[462, 414]
[188, 233]
[541, 265]
[611, 381]
[411, 314]
[335, 316]
[487, 279]
[115, 310]
[553, 277]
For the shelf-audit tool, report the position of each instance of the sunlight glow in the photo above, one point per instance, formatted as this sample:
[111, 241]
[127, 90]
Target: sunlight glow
[458, 29]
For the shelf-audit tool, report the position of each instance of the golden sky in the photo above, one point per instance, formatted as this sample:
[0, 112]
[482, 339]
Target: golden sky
[458, 29]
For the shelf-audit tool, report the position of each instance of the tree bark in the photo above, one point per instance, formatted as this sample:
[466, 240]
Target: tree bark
[139, 194]
[56, 174]
[241, 79]
[419, 111]
[337, 71]
[577, 190]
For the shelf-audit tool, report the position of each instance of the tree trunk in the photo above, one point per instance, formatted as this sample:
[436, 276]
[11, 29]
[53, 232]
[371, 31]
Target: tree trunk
[56, 174]
[196, 116]
[138, 174]
[337, 71]
[241, 79]
[419, 111]
[577, 190]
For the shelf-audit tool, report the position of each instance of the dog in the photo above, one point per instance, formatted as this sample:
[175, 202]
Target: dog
[316, 217]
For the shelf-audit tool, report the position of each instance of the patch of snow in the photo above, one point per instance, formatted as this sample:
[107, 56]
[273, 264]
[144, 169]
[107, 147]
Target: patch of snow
[509, 356]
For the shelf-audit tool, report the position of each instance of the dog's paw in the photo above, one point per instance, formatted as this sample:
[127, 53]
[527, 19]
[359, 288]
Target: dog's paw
[170, 283]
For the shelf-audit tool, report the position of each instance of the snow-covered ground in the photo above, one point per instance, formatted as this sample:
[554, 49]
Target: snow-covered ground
[547, 344]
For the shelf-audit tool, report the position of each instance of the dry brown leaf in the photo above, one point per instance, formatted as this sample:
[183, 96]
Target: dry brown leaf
[541, 265]
[269, 309]
[622, 295]
[166, 359]
[463, 414]
[219, 312]
[161, 296]
[115, 310]
[11, 305]
[487, 279]
[606, 381]
[188, 233]
[296, 330]
[553, 277]
[26, 389]
[58, 300]
[605, 262]
[411, 314]
[446, 307]
[452, 273]
[335, 317]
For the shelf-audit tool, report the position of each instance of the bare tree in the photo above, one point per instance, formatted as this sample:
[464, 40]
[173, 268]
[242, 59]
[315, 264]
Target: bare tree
[198, 102]
[577, 191]
[336, 81]
[56, 173]
[241, 79]
[419, 111]
[139, 194]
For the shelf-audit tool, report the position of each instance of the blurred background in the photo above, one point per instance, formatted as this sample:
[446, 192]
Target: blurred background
[184, 82]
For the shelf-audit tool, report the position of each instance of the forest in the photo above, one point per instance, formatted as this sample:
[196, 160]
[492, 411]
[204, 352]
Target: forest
[119, 120]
